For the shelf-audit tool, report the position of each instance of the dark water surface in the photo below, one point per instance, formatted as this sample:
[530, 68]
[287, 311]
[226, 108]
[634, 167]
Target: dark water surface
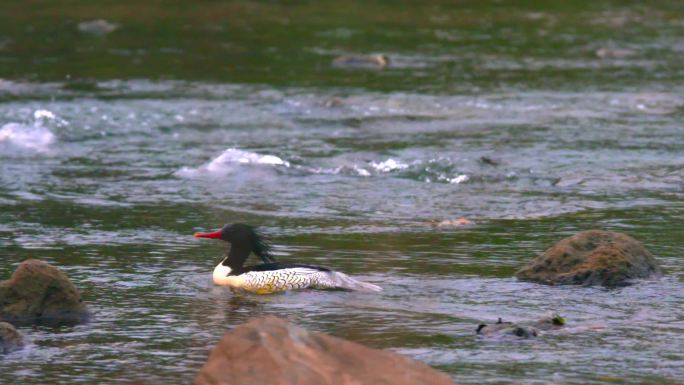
[115, 149]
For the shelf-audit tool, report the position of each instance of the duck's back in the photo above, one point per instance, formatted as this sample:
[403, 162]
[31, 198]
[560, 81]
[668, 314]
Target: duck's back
[273, 277]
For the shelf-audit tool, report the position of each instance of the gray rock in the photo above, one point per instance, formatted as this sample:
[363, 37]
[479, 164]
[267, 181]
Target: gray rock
[532, 329]
[504, 329]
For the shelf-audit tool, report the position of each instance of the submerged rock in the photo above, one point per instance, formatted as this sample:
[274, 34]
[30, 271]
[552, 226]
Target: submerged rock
[449, 223]
[333, 102]
[502, 329]
[489, 161]
[614, 53]
[38, 291]
[272, 351]
[10, 338]
[521, 330]
[550, 323]
[378, 61]
[593, 257]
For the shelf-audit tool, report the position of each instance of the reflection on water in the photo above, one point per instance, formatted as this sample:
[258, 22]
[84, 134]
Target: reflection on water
[115, 149]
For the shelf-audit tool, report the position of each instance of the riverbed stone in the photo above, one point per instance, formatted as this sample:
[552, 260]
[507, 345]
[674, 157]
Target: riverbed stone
[39, 292]
[504, 329]
[10, 338]
[271, 350]
[593, 257]
[528, 329]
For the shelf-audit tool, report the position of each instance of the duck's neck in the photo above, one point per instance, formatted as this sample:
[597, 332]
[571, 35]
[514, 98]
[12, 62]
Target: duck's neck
[236, 257]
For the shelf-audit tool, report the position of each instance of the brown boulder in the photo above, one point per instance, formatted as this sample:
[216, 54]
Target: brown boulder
[38, 291]
[593, 257]
[10, 339]
[270, 350]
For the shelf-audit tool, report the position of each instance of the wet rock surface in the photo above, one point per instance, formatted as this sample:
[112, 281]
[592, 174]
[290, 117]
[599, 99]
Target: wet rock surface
[503, 329]
[533, 329]
[10, 338]
[452, 223]
[270, 350]
[361, 61]
[593, 257]
[39, 292]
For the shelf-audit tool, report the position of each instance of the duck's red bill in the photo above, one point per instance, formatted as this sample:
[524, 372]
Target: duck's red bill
[214, 235]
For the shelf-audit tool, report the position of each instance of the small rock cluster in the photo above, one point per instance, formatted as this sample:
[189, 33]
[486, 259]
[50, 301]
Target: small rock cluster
[521, 330]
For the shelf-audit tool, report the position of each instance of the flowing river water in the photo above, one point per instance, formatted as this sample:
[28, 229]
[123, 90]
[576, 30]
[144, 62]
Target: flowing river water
[533, 121]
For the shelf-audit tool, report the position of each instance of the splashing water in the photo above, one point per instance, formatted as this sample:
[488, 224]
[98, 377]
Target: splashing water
[388, 165]
[35, 136]
[28, 137]
[225, 163]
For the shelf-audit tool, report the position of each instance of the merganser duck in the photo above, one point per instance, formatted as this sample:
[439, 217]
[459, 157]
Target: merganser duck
[271, 276]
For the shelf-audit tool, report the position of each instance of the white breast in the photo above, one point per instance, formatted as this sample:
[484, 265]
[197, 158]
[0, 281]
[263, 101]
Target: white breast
[220, 275]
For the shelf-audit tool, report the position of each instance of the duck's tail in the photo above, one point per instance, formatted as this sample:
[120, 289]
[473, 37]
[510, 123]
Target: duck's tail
[343, 281]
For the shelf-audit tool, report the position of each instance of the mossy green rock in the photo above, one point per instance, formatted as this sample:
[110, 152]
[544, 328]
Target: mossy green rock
[37, 292]
[593, 257]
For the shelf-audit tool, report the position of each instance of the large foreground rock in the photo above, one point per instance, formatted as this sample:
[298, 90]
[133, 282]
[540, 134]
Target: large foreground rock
[593, 257]
[10, 339]
[38, 291]
[271, 351]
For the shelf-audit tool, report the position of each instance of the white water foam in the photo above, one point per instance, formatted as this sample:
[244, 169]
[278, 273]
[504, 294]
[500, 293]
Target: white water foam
[43, 114]
[231, 157]
[388, 165]
[365, 171]
[353, 170]
[35, 136]
[459, 179]
[361, 171]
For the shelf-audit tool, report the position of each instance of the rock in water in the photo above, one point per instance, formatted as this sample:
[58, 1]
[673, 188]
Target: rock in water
[614, 53]
[98, 27]
[38, 291]
[448, 223]
[10, 339]
[362, 61]
[271, 351]
[553, 322]
[503, 329]
[593, 257]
